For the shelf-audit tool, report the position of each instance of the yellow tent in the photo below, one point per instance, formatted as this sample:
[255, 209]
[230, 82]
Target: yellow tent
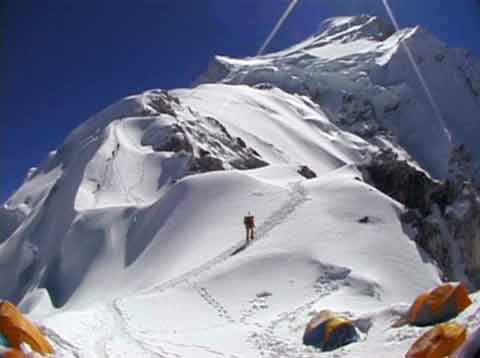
[18, 329]
[439, 305]
[329, 331]
[439, 342]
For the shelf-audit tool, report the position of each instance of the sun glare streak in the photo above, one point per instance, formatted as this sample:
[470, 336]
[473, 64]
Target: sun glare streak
[421, 78]
[264, 46]
[277, 27]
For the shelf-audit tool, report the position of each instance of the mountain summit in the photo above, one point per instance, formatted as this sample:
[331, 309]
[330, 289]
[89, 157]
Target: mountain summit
[359, 71]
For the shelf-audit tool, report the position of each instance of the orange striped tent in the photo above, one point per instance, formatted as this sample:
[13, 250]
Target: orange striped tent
[471, 348]
[439, 305]
[13, 353]
[329, 331]
[439, 342]
[18, 329]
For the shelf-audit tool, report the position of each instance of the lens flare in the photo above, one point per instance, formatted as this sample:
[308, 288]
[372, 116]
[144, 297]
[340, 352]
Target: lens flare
[421, 78]
[267, 42]
[277, 27]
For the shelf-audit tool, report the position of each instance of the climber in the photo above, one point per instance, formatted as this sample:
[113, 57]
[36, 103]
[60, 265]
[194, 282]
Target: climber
[115, 151]
[249, 222]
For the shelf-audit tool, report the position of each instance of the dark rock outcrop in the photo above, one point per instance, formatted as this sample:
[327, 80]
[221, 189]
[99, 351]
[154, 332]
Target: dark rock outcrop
[403, 182]
[442, 217]
[306, 172]
[203, 139]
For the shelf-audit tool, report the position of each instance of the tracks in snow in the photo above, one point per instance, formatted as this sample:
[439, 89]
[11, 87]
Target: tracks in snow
[297, 197]
[207, 297]
[119, 331]
[271, 345]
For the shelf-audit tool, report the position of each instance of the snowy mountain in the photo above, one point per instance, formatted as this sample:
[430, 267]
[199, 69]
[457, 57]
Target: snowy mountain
[125, 240]
[359, 71]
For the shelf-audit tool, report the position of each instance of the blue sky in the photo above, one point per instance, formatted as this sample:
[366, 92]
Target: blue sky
[63, 60]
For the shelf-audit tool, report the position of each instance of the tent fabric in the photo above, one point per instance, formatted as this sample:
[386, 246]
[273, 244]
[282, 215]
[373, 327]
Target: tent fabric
[439, 305]
[13, 353]
[440, 341]
[329, 331]
[471, 348]
[18, 329]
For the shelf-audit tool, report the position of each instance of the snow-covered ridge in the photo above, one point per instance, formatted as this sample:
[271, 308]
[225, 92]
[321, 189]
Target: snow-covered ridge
[358, 70]
[125, 163]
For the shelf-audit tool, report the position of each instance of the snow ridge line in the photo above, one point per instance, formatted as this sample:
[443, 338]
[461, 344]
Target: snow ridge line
[297, 197]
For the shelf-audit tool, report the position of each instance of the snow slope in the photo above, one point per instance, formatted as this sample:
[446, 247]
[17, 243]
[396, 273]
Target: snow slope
[167, 253]
[358, 69]
[246, 304]
[127, 240]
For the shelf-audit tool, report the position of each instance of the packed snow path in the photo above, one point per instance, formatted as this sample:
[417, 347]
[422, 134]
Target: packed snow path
[297, 196]
[120, 333]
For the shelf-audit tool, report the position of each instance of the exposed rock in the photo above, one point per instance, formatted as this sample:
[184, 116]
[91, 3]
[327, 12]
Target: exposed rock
[175, 142]
[358, 115]
[442, 217]
[161, 100]
[364, 220]
[401, 181]
[460, 168]
[306, 172]
[264, 86]
[206, 163]
[263, 294]
[374, 92]
[204, 139]
[10, 220]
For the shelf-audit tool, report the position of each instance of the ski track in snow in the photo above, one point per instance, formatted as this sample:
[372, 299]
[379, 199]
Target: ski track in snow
[297, 196]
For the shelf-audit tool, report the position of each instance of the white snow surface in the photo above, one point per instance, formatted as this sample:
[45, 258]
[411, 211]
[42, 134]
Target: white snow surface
[116, 248]
[357, 68]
